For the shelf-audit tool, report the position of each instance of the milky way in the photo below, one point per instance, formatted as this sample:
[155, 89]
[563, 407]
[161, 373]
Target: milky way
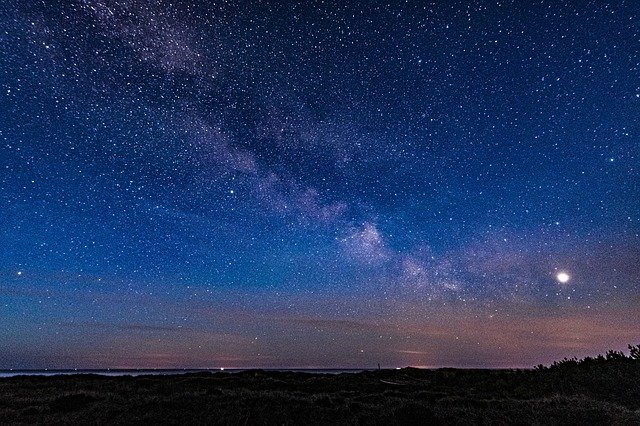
[317, 183]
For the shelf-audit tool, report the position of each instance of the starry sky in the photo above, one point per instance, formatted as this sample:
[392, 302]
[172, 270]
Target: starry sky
[318, 183]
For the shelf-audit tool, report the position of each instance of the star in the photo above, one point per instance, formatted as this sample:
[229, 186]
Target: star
[563, 277]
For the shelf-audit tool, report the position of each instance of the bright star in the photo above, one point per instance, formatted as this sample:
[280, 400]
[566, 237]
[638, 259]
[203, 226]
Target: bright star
[563, 277]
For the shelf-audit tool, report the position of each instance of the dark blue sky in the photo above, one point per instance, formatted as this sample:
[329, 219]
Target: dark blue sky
[317, 184]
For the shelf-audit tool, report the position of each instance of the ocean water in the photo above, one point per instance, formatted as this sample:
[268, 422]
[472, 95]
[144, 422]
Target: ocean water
[166, 372]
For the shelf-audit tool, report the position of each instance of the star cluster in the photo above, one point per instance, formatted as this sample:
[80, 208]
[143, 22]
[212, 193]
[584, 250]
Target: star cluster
[317, 183]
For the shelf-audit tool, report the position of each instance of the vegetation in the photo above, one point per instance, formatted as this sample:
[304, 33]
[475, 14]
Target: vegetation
[601, 390]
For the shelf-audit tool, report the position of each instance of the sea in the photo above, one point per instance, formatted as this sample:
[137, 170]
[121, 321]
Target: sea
[169, 372]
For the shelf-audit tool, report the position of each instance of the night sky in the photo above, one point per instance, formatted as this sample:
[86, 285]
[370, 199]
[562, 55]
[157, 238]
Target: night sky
[318, 183]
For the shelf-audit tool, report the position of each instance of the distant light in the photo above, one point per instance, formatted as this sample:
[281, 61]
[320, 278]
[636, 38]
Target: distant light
[221, 368]
[563, 277]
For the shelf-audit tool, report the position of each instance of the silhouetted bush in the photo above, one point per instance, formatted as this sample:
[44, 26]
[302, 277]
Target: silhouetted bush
[634, 352]
[611, 357]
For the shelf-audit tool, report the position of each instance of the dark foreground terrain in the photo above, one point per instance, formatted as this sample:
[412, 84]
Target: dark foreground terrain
[603, 390]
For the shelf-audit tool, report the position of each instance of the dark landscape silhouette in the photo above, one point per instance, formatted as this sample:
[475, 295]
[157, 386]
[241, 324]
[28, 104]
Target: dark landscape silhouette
[600, 390]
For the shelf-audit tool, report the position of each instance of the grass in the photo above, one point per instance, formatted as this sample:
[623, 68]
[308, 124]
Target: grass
[603, 390]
